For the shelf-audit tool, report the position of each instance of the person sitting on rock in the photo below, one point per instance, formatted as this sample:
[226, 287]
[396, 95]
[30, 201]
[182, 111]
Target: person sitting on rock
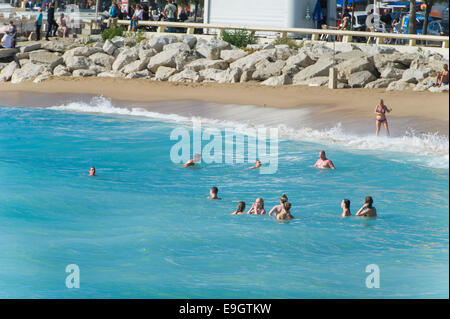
[442, 77]
[7, 41]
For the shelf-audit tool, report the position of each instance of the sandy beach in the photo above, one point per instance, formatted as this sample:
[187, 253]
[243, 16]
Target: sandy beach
[428, 111]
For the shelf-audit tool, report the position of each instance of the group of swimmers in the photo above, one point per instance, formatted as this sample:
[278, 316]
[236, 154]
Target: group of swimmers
[283, 210]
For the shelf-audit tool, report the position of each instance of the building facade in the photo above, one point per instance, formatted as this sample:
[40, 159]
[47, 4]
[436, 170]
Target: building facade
[269, 13]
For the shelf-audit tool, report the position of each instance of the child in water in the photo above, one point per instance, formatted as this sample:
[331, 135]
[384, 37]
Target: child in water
[240, 209]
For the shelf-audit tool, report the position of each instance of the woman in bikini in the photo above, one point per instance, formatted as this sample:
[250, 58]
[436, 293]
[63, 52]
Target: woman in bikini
[380, 111]
[257, 207]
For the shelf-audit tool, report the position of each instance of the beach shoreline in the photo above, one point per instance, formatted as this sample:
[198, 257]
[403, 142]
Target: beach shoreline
[422, 111]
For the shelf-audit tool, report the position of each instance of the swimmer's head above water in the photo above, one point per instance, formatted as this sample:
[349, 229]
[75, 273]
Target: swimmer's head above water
[213, 193]
[92, 171]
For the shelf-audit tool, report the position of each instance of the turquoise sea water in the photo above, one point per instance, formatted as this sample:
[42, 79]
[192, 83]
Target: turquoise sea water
[143, 227]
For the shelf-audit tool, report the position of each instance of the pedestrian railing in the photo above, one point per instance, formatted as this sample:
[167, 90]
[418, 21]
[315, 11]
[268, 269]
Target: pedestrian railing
[316, 34]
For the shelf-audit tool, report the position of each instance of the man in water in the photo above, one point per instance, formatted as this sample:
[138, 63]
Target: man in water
[257, 165]
[323, 161]
[213, 193]
[442, 77]
[192, 162]
[92, 171]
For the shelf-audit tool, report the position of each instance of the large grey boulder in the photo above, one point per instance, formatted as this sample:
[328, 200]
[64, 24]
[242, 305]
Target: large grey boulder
[42, 77]
[58, 46]
[202, 64]
[208, 52]
[212, 75]
[187, 76]
[348, 55]
[395, 60]
[399, 86]
[165, 58]
[102, 59]
[110, 74]
[135, 66]
[373, 50]
[420, 63]
[28, 72]
[180, 46]
[346, 68]
[278, 80]
[28, 47]
[81, 51]
[425, 84]
[83, 73]
[61, 70]
[284, 52]
[232, 55]
[360, 79]
[76, 63]
[379, 83]
[414, 76]
[190, 40]
[392, 73]
[300, 60]
[46, 58]
[8, 71]
[109, 47]
[320, 68]
[211, 49]
[164, 73]
[186, 57]
[230, 76]
[266, 69]
[124, 58]
[249, 62]
[317, 81]
[98, 68]
[118, 41]
[144, 74]
[8, 53]
[146, 54]
[158, 43]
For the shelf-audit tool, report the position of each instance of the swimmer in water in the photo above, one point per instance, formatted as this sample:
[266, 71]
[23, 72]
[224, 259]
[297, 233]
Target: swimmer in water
[345, 205]
[285, 212]
[257, 165]
[278, 208]
[257, 207]
[192, 162]
[367, 210]
[240, 209]
[92, 171]
[323, 161]
[380, 111]
[213, 193]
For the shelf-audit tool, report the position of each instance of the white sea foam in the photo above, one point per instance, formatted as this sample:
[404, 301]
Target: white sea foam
[425, 149]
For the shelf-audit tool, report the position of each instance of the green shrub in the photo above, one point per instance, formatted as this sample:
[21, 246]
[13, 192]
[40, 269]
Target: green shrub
[110, 33]
[239, 38]
[289, 41]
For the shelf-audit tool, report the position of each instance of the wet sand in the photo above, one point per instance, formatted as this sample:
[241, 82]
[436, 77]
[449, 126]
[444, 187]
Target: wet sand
[315, 107]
